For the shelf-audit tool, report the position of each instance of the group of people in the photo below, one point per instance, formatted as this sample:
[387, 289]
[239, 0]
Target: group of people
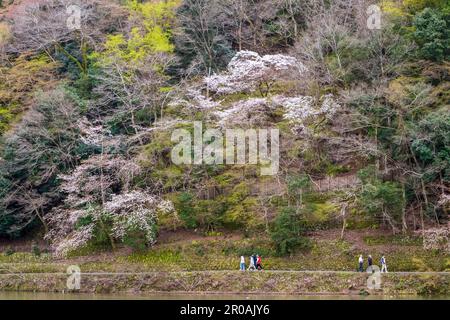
[255, 263]
[370, 263]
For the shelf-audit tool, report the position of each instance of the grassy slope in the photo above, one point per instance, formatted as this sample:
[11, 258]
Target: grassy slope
[209, 265]
[190, 252]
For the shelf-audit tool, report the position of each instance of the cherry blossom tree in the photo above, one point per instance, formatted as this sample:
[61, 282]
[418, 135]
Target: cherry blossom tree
[135, 212]
[248, 71]
[304, 110]
[436, 238]
[125, 216]
[92, 208]
[251, 113]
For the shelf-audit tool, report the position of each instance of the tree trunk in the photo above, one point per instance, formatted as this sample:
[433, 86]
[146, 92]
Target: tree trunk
[404, 224]
[344, 220]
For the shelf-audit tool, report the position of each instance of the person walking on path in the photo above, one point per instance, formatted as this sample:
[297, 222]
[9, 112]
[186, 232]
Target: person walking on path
[361, 263]
[242, 263]
[254, 259]
[258, 263]
[252, 264]
[383, 264]
[369, 260]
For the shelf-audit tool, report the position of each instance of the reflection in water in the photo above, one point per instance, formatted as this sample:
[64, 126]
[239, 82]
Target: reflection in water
[168, 296]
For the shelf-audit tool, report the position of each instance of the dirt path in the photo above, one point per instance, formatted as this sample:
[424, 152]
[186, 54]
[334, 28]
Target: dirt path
[312, 272]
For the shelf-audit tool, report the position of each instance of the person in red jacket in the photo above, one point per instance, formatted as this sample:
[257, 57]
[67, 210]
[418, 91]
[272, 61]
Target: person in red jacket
[258, 263]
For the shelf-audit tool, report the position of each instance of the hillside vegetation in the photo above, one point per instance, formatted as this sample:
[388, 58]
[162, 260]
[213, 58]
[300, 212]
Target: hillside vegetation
[89, 105]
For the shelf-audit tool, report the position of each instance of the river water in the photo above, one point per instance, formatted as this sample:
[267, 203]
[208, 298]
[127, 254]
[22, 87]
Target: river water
[166, 296]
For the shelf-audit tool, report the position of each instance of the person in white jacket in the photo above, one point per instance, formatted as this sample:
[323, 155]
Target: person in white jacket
[383, 264]
[242, 263]
[361, 263]
[252, 266]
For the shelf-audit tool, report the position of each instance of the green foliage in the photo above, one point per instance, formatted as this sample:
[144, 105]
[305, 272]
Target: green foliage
[288, 232]
[243, 216]
[184, 205]
[382, 199]
[152, 35]
[47, 143]
[298, 183]
[233, 210]
[19, 82]
[239, 213]
[405, 9]
[431, 144]
[414, 6]
[401, 108]
[248, 247]
[6, 220]
[210, 213]
[432, 34]
[136, 239]
[9, 252]
[35, 250]
[156, 257]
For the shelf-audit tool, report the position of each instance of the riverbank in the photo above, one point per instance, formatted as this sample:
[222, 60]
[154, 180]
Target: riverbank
[235, 282]
[197, 264]
[183, 251]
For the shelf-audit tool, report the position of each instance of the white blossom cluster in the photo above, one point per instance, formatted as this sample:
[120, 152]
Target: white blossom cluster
[75, 241]
[97, 173]
[135, 211]
[64, 234]
[303, 109]
[98, 135]
[90, 202]
[247, 69]
[298, 110]
[249, 112]
[195, 100]
[200, 101]
[437, 239]
[91, 135]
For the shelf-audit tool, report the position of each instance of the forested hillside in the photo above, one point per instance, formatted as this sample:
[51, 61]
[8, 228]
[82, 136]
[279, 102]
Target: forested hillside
[91, 92]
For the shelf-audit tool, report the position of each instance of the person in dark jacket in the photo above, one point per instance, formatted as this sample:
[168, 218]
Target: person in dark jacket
[254, 259]
[369, 260]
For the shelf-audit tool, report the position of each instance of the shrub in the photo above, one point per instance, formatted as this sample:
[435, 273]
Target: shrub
[432, 34]
[35, 249]
[287, 232]
[184, 205]
[9, 251]
[381, 199]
